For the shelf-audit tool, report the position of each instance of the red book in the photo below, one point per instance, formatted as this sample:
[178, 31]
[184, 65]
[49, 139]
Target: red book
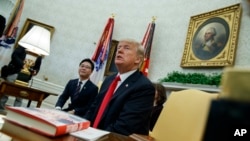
[49, 122]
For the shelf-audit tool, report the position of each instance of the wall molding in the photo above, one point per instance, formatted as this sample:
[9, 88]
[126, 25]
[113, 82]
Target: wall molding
[180, 86]
[173, 86]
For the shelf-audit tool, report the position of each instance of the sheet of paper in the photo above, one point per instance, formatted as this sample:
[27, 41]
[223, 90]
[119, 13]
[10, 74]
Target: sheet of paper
[90, 133]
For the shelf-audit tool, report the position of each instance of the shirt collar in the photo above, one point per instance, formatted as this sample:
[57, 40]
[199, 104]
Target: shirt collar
[83, 81]
[124, 76]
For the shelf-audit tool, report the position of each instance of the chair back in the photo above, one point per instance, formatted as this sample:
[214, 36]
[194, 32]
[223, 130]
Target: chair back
[184, 116]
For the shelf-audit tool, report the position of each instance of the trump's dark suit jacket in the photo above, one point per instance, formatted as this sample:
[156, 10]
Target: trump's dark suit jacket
[84, 100]
[129, 108]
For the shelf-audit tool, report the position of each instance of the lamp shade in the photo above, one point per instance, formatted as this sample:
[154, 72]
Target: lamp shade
[37, 40]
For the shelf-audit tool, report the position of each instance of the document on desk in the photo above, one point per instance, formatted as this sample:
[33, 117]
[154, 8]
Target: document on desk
[90, 134]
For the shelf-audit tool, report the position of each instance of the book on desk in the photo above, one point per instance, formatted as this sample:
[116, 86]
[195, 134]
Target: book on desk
[19, 133]
[49, 122]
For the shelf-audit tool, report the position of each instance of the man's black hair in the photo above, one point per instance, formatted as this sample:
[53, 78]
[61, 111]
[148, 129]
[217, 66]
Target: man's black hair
[90, 61]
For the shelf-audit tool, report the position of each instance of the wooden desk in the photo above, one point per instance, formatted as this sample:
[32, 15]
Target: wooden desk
[24, 92]
[109, 137]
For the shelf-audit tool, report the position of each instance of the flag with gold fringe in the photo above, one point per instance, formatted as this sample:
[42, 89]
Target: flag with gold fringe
[147, 44]
[101, 53]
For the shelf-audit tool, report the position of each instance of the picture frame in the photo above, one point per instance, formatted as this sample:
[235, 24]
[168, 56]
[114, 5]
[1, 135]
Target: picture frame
[222, 27]
[29, 23]
[110, 66]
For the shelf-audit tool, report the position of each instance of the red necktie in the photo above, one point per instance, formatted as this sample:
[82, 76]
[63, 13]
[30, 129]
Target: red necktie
[106, 100]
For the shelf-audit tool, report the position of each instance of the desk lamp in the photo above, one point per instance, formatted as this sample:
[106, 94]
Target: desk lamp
[37, 41]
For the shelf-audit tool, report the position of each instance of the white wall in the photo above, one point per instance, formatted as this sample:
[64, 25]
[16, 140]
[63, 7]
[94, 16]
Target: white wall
[79, 24]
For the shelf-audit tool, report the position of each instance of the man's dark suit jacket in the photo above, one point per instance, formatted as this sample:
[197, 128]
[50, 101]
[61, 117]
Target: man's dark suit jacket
[129, 108]
[84, 100]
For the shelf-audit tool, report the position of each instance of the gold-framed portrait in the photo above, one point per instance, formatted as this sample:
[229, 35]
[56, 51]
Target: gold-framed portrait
[110, 66]
[29, 23]
[212, 38]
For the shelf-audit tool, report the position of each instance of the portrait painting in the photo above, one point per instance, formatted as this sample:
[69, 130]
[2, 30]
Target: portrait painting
[110, 66]
[212, 38]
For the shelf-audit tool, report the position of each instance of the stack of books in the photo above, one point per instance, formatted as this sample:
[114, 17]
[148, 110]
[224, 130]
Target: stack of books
[47, 124]
[41, 123]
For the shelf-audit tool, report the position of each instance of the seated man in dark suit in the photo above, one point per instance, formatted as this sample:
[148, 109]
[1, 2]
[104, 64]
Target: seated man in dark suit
[81, 91]
[129, 109]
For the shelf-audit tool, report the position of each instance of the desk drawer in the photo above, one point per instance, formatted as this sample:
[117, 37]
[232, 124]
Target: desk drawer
[23, 93]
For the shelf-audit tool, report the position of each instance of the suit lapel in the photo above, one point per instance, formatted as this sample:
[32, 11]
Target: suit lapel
[126, 84]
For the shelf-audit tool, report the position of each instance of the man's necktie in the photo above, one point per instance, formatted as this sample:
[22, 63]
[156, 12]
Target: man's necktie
[77, 90]
[106, 101]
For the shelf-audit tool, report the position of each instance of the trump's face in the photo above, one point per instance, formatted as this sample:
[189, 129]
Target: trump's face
[126, 58]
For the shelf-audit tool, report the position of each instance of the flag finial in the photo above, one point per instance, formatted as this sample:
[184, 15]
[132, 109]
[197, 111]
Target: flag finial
[112, 15]
[154, 18]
